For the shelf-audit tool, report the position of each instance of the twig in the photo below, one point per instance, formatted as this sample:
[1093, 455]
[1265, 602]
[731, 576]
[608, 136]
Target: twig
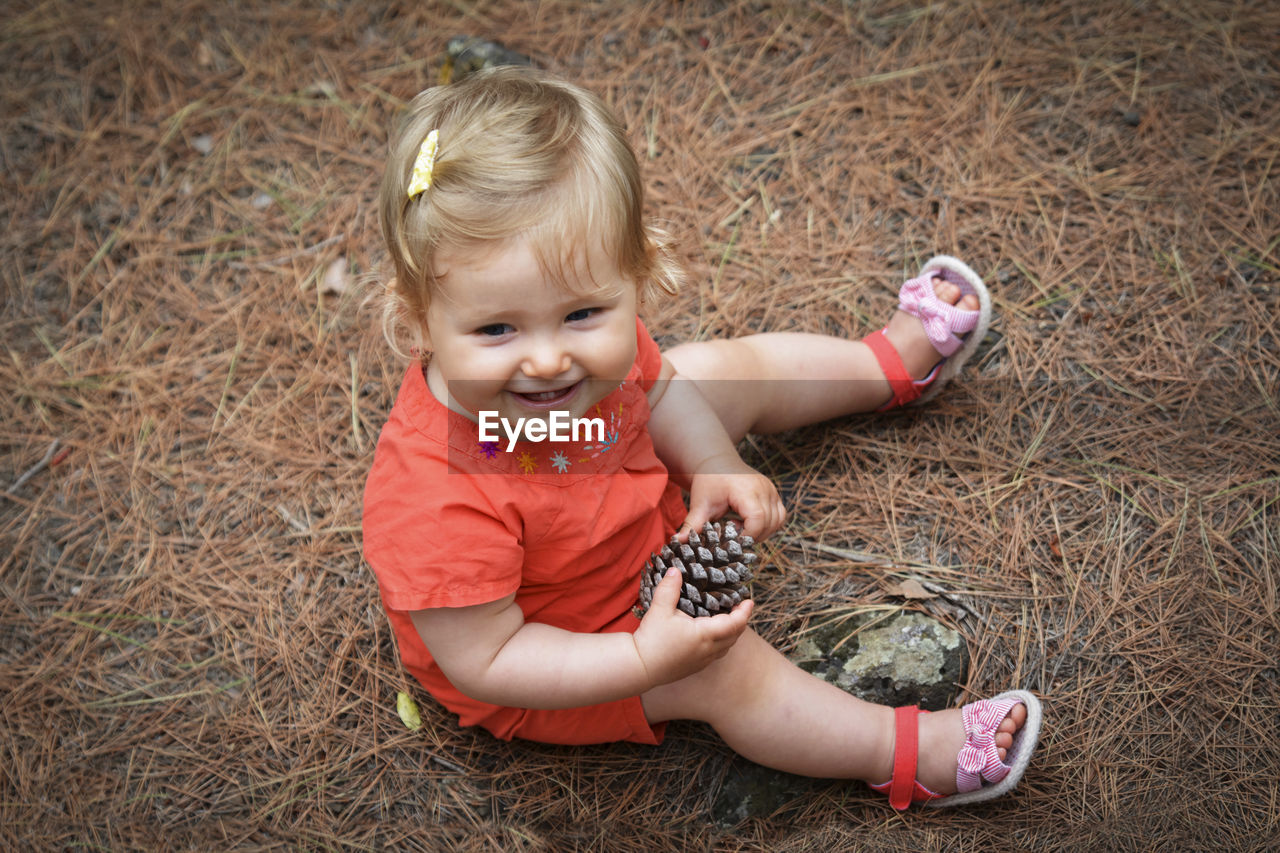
[872, 560]
[280, 259]
[36, 468]
[858, 556]
[448, 764]
[289, 517]
[951, 597]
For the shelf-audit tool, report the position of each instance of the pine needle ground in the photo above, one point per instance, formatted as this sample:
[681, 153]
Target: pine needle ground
[192, 654]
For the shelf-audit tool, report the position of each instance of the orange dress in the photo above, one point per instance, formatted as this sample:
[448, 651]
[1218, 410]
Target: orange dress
[450, 521]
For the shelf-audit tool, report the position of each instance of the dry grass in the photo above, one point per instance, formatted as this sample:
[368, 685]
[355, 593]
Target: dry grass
[192, 654]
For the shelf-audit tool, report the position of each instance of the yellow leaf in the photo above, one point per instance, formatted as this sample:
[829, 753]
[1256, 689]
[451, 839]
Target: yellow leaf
[408, 710]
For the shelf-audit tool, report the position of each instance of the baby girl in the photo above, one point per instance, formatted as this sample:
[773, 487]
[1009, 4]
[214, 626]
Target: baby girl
[511, 208]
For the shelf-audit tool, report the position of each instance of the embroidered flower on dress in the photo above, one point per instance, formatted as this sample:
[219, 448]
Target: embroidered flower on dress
[527, 463]
[560, 462]
[489, 449]
[612, 432]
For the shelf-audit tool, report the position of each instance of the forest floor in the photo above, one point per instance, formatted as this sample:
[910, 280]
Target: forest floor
[193, 654]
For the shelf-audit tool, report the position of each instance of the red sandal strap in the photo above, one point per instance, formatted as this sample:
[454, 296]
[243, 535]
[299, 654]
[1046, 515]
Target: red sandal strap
[905, 389]
[903, 788]
[906, 745]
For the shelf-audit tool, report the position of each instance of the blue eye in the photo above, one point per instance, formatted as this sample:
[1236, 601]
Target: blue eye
[580, 314]
[495, 330]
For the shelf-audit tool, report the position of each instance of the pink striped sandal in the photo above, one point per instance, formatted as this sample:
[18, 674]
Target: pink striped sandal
[943, 323]
[980, 774]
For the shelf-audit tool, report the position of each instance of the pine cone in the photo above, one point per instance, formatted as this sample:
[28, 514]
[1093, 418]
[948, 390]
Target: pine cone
[716, 566]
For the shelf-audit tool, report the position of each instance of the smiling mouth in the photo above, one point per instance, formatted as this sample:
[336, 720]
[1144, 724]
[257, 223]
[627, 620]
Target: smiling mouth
[548, 399]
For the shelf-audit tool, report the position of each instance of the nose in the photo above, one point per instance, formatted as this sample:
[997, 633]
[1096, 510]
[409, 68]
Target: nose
[546, 358]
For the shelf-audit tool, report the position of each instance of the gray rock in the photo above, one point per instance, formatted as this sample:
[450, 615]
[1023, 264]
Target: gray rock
[907, 659]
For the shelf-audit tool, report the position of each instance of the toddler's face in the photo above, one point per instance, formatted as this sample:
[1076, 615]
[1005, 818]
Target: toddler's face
[506, 337]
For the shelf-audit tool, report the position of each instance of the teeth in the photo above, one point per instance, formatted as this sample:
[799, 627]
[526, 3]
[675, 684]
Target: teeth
[544, 396]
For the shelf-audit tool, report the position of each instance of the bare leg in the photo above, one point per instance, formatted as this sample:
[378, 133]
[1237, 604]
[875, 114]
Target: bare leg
[778, 381]
[767, 709]
[776, 714]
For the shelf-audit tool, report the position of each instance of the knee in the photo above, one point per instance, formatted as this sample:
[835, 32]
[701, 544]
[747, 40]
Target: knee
[731, 358]
[742, 675]
[724, 687]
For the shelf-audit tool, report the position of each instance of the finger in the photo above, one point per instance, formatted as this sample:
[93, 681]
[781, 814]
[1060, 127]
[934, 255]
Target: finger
[774, 513]
[730, 625]
[667, 593]
[779, 516]
[754, 522]
[770, 520]
[701, 511]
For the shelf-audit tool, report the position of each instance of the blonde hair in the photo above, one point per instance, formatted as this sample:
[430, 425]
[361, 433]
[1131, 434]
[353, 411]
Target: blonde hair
[520, 153]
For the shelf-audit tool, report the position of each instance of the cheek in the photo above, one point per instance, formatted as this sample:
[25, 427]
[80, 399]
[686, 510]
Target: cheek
[626, 357]
[471, 374]
[620, 351]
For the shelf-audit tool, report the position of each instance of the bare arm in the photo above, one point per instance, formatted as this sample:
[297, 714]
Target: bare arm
[491, 654]
[692, 442]
[686, 433]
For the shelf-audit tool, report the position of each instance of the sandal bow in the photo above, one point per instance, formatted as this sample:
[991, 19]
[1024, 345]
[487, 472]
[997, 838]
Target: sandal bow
[978, 758]
[943, 323]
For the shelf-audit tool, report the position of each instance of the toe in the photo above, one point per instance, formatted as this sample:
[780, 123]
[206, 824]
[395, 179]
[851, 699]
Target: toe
[1013, 720]
[952, 295]
[1008, 726]
[946, 291]
[1004, 742]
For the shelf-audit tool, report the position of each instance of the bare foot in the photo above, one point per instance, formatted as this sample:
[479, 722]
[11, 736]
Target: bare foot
[907, 334]
[942, 735]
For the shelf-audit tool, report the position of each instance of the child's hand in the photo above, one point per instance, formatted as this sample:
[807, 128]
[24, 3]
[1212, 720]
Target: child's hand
[726, 483]
[673, 645]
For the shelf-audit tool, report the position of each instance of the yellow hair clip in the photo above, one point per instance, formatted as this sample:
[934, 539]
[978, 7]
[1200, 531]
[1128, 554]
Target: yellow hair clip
[424, 165]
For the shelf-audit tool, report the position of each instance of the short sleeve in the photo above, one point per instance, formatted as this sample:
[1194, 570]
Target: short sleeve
[436, 538]
[648, 357]
[454, 555]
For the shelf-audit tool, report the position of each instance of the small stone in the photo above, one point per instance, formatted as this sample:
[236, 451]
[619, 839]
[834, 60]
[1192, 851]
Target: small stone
[909, 659]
